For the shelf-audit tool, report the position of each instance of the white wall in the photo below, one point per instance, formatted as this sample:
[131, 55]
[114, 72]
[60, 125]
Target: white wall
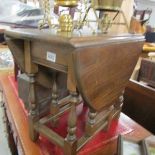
[144, 4]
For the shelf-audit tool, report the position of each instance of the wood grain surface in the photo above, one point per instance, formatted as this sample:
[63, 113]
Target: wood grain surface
[98, 65]
[103, 72]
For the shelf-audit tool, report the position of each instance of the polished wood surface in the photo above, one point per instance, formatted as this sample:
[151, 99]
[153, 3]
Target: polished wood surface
[76, 56]
[20, 125]
[97, 68]
[139, 103]
[147, 72]
[102, 72]
[139, 96]
[110, 57]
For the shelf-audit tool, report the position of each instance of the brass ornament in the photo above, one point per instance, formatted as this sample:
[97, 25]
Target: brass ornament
[66, 23]
[103, 22]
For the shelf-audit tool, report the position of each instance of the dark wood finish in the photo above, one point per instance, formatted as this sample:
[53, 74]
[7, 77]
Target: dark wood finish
[139, 101]
[54, 102]
[109, 67]
[97, 67]
[109, 57]
[43, 94]
[139, 104]
[118, 105]
[33, 115]
[147, 72]
[90, 122]
[71, 139]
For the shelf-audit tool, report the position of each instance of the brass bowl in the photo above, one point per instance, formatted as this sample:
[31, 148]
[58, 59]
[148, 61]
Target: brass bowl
[107, 4]
[66, 3]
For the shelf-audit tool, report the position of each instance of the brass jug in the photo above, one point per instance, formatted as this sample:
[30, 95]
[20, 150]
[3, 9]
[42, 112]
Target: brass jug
[66, 3]
[107, 4]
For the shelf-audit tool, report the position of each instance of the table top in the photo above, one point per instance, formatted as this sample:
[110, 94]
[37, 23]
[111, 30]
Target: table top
[20, 125]
[76, 39]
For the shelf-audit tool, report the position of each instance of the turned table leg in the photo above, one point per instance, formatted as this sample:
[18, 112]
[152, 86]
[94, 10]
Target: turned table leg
[33, 115]
[70, 146]
[119, 104]
[54, 102]
[90, 122]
